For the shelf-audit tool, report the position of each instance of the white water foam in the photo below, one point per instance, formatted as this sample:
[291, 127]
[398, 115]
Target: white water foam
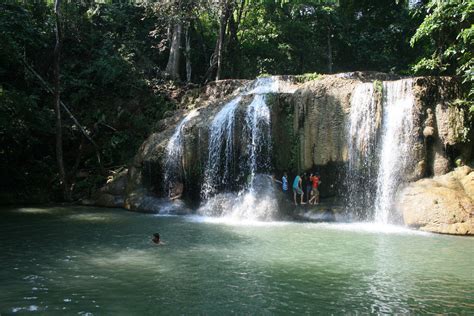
[255, 203]
[229, 221]
[367, 227]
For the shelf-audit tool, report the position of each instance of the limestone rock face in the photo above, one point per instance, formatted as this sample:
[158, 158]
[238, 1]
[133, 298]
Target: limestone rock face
[443, 204]
[309, 133]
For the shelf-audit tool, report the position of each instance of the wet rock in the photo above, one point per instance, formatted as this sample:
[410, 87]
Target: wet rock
[443, 204]
[143, 202]
[109, 200]
[116, 184]
[308, 131]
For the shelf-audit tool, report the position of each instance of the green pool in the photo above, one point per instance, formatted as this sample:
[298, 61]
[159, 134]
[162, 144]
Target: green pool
[93, 261]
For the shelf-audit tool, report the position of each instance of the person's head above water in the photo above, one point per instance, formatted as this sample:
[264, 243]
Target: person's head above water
[156, 238]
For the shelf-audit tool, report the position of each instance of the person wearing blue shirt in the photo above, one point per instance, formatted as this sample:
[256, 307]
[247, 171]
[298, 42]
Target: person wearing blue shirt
[284, 183]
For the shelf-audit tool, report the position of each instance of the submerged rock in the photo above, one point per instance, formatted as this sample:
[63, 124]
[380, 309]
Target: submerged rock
[443, 204]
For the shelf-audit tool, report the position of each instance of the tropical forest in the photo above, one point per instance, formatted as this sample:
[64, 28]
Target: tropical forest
[236, 157]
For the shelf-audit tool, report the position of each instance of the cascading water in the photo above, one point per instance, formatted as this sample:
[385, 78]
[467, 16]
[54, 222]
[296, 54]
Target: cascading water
[397, 141]
[221, 138]
[174, 152]
[257, 125]
[256, 201]
[378, 165]
[362, 138]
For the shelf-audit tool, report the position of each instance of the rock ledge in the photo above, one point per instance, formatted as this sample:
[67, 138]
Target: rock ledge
[443, 204]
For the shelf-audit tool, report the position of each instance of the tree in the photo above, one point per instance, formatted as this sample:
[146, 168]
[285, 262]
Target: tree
[172, 68]
[57, 101]
[447, 33]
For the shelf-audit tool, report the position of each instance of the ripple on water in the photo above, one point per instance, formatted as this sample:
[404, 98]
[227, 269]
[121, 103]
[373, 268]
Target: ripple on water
[31, 308]
[373, 228]
[207, 266]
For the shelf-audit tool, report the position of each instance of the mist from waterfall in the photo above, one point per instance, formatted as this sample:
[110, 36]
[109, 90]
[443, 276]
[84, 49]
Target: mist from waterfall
[174, 152]
[397, 142]
[378, 152]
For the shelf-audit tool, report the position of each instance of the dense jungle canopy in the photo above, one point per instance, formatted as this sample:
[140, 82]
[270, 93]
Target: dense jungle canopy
[120, 66]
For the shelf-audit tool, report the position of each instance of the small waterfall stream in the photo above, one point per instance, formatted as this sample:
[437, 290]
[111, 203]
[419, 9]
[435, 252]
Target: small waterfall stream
[396, 144]
[256, 200]
[362, 143]
[379, 152]
[221, 138]
[257, 126]
[174, 153]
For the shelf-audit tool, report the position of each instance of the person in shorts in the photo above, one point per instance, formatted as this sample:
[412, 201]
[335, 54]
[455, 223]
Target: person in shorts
[315, 180]
[298, 189]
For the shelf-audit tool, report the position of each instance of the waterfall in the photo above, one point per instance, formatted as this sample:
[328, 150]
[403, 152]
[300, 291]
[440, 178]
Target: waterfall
[256, 200]
[221, 138]
[263, 85]
[378, 148]
[257, 126]
[361, 133]
[174, 152]
[396, 142]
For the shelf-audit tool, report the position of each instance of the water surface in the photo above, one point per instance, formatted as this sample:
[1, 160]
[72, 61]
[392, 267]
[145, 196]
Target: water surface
[80, 260]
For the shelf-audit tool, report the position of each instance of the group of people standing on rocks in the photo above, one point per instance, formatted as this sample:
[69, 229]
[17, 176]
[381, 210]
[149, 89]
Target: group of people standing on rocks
[303, 182]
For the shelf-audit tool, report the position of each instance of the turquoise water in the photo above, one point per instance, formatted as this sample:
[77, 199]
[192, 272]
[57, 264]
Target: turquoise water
[101, 261]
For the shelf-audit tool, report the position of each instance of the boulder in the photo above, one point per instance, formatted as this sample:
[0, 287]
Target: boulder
[116, 184]
[443, 204]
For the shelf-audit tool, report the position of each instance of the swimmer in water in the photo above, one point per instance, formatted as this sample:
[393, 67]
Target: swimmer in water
[156, 238]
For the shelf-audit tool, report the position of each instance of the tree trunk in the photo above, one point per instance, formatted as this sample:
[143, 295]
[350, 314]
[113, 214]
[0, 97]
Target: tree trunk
[329, 51]
[66, 109]
[172, 68]
[57, 102]
[188, 53]
[226, 8]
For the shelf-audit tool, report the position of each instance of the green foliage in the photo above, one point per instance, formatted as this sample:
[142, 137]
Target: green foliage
[114, 54]
[447, 37]
[308, 77]
[378, 87]
[107, 58]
